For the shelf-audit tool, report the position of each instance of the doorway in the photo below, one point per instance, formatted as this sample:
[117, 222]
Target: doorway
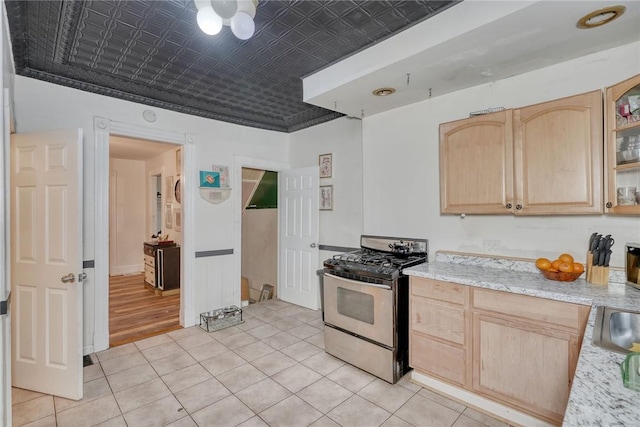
[259, 235]
[144, 208]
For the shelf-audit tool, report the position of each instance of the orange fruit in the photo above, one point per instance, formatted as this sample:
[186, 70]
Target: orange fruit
[565, 267]
[555, 265]
[578, 268]
[566, 258]
[543, 263]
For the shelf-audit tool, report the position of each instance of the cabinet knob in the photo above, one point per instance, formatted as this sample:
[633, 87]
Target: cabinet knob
[518, 207]
[609, 205]
[509, 206]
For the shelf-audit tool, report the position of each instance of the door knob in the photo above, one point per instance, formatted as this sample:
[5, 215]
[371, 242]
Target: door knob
[69, 278]
[82, 276]
[313, 245]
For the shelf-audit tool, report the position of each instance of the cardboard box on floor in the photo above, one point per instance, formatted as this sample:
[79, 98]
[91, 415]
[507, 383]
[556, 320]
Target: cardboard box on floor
[244, 289]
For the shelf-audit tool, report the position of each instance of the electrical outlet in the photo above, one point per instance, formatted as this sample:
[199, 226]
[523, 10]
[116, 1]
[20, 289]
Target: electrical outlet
[491, 246]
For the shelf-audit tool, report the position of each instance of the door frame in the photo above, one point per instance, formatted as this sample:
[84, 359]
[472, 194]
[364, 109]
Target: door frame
[103, 130]
[240, 162]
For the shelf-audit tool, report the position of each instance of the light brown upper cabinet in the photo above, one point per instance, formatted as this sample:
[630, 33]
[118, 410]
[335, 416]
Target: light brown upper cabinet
[544, 159]
[622, 120]
[476, 165]
[558, 156]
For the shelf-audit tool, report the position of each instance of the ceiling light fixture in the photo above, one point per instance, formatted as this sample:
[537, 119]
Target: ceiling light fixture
[384, 91]
[237, 14]
[600, 17]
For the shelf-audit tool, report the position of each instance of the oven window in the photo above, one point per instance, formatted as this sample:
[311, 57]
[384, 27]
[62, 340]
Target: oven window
[356, 305]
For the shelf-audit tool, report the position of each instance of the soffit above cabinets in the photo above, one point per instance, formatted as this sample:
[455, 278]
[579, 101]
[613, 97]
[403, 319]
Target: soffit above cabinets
[469, 44]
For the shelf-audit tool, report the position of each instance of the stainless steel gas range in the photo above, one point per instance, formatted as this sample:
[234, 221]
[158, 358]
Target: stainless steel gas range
[366, 304]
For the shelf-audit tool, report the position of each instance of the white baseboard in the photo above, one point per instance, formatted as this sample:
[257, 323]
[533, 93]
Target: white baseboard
[100, 342]
[485, 405]
[87, 350]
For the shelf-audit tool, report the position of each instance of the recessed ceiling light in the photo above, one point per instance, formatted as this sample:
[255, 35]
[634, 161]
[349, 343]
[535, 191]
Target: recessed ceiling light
[384, 91]
[600, 17]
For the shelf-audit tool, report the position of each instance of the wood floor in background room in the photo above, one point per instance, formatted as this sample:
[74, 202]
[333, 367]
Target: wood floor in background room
[136, 312]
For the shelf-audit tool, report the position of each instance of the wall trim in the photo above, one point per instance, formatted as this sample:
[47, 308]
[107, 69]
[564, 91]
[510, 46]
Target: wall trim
[218, 252]
[337, 248]
[103, 129]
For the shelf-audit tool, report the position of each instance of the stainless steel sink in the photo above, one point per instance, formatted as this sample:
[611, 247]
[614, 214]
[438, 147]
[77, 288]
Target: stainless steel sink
[616, 329]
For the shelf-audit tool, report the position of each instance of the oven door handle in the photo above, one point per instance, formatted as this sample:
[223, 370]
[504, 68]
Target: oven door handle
[359, 283]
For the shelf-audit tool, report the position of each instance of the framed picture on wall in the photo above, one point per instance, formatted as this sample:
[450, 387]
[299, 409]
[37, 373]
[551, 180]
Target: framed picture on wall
[179, 161]
[177, 191]
[326, 165]
[168, 189]
[177, 224]
[168, 215]
[326, 197]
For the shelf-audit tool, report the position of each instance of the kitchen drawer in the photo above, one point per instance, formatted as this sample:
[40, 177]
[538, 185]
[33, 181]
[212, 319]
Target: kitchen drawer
[436, 358]
[149, 260]
[149, 250]
[563, 314]
[435, 289]
[150, 275]
[438, 320]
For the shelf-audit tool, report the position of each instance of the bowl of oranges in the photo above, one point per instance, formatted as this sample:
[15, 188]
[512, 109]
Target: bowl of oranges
[562, 269]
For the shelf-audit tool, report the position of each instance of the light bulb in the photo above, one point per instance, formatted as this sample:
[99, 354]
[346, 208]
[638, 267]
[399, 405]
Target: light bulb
[242, 26]
[208, 21]
[248, 7]
[225, 8]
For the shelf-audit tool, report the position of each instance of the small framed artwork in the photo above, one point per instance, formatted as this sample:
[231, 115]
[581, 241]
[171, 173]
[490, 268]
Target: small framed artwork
[326, 165]
[326, 197]
[266, 292]
[177, 223]
[179, 161]
[168, 215]
[223, 172]
[209, 179]
[168, 189]
[177, 191]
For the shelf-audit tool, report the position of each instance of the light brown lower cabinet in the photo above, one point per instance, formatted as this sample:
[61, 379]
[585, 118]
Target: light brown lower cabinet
[438, 339]
[516, 350]
[525, 365]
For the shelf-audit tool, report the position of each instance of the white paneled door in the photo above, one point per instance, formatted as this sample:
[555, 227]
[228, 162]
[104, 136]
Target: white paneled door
[46, 262]
[298, 218]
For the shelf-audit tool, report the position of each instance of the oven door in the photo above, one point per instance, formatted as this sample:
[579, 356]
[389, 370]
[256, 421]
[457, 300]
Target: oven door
[360, 308]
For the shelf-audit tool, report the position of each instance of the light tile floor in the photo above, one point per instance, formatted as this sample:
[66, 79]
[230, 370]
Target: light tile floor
[270, 370]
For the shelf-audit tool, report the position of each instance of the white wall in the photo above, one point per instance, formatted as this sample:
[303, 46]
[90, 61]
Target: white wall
[43, 106]
[401, 177]
[341, 226]
[130, 212]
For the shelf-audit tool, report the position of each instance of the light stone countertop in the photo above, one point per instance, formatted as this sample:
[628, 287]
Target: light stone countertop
[598, 397]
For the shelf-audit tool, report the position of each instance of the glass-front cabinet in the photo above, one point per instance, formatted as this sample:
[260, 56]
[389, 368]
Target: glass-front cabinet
[622, 122]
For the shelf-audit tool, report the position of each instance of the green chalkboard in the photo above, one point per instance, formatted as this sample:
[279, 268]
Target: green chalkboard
[266, 195]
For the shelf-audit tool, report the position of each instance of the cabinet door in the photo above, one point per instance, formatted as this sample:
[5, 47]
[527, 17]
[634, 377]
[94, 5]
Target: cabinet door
[447, 362]
[524, 365]
[622, 118]
[558, 149]
[476, 165]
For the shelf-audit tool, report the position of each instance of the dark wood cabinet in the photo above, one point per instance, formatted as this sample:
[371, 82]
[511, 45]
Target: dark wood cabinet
[162, 265]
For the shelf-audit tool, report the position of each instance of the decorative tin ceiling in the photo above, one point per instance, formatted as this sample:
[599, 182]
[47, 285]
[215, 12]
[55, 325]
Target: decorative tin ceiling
[152, 52]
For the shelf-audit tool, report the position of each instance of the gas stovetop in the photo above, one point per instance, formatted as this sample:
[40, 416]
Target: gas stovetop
[385, 261]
